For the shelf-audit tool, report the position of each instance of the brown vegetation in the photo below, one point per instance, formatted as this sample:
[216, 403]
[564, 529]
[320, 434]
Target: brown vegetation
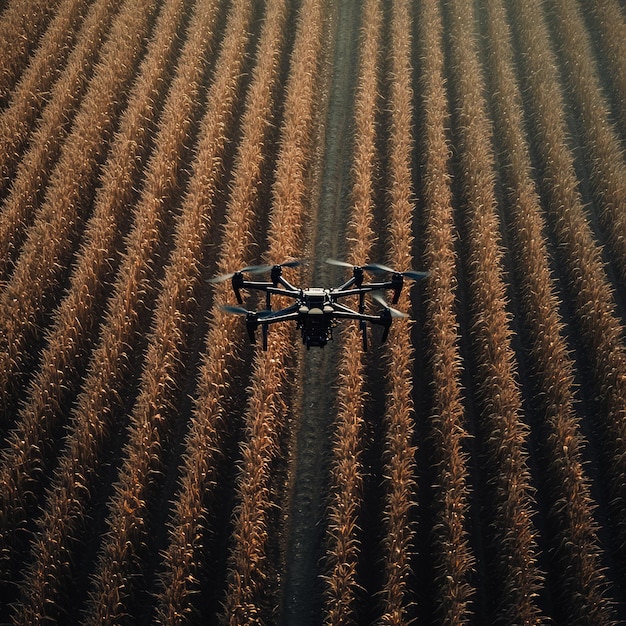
[205, 440]
[93, 416]
[154, 467]
[121, 553]
[502, 432]
[607, 165]
[453, 556]
[30, 94]
[251, 583]
[50, 240]
[30, 443]
[20, 27]
[399, 469]
[600, 330]
[576, 544]
[343, 543]
[26, 192]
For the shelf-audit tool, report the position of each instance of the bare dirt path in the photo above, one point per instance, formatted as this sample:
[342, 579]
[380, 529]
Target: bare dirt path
[302, 588]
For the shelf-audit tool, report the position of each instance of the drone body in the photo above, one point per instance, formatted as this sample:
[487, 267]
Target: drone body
[316, 310]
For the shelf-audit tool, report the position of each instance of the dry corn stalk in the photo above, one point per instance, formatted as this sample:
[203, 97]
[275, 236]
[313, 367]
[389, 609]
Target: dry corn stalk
[453, 555]
[204, 444]
[51, 239]
[71, 489]
[515, 572]
[342, 543]
[250, 592]
[580, 579]
[594, 306]
[78, 314]
[120, 558]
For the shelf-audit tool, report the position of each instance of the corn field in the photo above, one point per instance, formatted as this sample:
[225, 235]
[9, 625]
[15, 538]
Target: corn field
[158, 468]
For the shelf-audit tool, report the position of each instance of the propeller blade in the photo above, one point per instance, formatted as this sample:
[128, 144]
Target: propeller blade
[294, 263]
[251, 269]
[413, 275]
[260, 269]
[257, 269]
[222, 278]
[235, 310]
[339, 263]
[377, 267]
[383, 302]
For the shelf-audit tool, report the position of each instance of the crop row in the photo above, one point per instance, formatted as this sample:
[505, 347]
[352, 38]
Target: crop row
[204, 446]
[608, 21]
[50, 242]
[121, 553]
[345, 498]
[75, 320]
[94, 417]
[581, 581]
[600, 331]
[399, 454]
[26, 193]
[502, 432]
[251, 580]
[453, 558]
[30, 93]
[602, 142]
[20, 27]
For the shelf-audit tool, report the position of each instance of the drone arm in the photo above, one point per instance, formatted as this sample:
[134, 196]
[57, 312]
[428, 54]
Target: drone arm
[269, 287]
[384, 319]
[239, 283]
[396, 283]
[285, 283]
[254, 320]
[343, 312]
[341, 292]
[346, 285]
[290, 313]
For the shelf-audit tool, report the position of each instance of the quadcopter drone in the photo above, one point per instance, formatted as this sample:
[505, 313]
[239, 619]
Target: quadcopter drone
[316, 310]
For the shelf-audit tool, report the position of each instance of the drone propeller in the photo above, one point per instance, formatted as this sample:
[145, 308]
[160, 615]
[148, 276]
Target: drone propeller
[234, 310]
[252, 269]
[238, 310]
[414, 275]
[294, 263]
[383, 302]
[339, 263]
[379, 268]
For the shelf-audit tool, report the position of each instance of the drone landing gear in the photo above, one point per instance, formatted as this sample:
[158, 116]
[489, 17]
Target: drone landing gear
[264, 329]
[363, 326]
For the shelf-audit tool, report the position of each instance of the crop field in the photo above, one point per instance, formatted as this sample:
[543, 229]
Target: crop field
[157, 468]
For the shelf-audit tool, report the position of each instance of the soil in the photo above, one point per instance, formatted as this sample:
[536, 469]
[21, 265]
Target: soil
[302, 588]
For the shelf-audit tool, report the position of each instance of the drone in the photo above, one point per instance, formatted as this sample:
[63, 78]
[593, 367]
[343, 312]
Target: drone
[317, 310]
